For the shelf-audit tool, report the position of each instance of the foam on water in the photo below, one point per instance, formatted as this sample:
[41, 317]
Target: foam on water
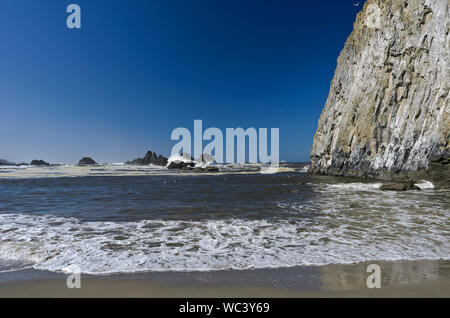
[275, 169]
[120, 169]
[358, 186]
[176, 157]
[53, 243]
[424, 184]
[33, 172]
[295, 223]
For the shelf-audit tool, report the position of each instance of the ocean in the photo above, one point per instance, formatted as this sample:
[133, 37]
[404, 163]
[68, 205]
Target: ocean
[115, 218]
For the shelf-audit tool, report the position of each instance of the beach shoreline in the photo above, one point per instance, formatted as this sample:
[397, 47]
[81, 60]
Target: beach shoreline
[422, 278]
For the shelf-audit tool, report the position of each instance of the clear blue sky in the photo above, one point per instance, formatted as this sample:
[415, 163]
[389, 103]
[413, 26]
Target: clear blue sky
[138, 69]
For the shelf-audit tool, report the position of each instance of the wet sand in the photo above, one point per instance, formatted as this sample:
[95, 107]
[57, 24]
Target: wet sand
[398, 279]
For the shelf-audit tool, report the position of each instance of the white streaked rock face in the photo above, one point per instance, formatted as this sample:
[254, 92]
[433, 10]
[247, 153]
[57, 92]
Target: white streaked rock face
[388, 106]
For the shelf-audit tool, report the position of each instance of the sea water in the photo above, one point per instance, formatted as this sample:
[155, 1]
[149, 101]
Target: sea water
[117, 218]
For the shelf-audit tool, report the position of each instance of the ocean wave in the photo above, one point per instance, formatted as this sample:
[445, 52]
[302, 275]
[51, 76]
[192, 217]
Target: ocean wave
[53, 243]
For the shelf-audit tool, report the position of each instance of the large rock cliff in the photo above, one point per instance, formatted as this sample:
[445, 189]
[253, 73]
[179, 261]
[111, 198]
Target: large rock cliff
[387, 113]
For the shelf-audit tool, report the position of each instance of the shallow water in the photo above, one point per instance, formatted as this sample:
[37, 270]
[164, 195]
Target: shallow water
[114, 218]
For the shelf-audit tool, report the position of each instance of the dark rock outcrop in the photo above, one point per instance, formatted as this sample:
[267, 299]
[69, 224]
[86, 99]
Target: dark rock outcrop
[161, 161]
[211, 169]
[137, 161]
[181, 165]
[149, 158]
[87, 161]
[387, 115]
[399, 186]
[190, 164]
[36, 162]
[4, 162]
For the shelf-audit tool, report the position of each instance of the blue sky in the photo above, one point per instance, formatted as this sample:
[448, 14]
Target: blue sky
[138, 69]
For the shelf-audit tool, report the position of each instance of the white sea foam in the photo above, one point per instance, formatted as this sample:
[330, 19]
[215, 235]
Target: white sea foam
[80, 171]
[358, 186]
[53, 243]
[118, 169]
[269, 169]
[274, 169]
[15, 167]
[424, 184]
[175, 157]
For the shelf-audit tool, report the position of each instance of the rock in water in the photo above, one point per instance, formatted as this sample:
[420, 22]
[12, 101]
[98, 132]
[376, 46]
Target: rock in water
[399, 186]
[211, 169]
[181, 165]
[149, 158]
[39, 163]
[387, 113]
[161, 161]
[87, 161]
[137, 161]
[4, 162]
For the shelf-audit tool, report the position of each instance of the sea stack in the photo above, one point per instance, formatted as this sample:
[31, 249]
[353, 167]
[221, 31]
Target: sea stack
[86, 161]
[149, 158]
[4, 162]
[387, 113]
[36, 162]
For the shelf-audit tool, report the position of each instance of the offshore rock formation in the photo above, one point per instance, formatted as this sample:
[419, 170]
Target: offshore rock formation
[184, 161]
[149, 158]
[191, 166]
[86, 161]
[4, 162]
[387, 113]
[37, 162]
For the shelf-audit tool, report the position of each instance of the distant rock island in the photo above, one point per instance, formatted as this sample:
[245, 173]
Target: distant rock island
[39, 163]
[87, 161]
[205, 163]
[387, 115]
[149, 158]
[4, 162]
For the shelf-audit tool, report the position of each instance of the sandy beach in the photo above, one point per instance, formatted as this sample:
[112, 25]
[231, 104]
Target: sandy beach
[399, 279]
